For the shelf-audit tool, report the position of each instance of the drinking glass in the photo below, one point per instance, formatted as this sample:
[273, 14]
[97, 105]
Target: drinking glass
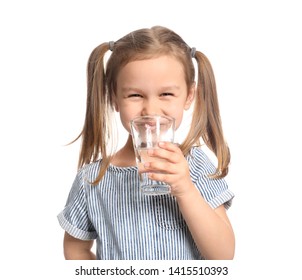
[147, 132]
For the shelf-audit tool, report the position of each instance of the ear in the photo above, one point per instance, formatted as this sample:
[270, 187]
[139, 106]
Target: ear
[190, 96]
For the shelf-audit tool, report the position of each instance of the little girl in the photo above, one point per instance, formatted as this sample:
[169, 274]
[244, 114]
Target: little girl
[150, 71]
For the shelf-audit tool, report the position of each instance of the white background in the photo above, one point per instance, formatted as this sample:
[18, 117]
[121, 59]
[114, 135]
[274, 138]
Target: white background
[255, 50]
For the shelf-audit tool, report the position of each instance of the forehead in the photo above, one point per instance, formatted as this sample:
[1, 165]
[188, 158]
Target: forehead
[161, 67]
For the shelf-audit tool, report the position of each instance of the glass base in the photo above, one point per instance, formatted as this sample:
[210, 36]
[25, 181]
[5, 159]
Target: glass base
[155, 189]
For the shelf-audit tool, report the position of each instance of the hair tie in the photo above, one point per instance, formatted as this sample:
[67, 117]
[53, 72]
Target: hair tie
[193, 52]
[111, 45]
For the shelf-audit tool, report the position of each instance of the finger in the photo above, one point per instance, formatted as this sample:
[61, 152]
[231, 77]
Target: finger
[162, 177]
[172, 147]
[166, 155]
[142, 168]
[160, 167]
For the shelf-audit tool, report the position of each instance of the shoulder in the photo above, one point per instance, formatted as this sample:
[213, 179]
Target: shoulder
[214, 191]
[90, 169]
[87, 173]
[199, 159]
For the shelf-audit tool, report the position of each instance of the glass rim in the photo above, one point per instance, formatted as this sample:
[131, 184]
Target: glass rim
[152, 116]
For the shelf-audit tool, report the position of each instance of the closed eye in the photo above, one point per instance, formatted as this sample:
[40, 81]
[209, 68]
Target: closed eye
[134, 95]
[167, 94]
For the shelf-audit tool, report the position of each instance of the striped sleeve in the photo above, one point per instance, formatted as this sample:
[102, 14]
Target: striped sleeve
[74, 219]
[214, 191]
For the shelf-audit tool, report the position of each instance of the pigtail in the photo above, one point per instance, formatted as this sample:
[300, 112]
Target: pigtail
[95, 132]
[206, 115]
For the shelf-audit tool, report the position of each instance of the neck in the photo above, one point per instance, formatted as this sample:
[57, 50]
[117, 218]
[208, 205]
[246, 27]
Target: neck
[125, 156]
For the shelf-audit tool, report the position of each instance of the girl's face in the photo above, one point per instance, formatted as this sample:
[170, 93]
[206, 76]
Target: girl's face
[152, 86]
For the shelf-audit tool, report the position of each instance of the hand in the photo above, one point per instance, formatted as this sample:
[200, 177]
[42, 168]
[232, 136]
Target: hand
[171, 168]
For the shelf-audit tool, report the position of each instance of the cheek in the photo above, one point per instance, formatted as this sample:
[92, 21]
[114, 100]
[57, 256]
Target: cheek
[125, 120]
[176, 112]
[178, 119]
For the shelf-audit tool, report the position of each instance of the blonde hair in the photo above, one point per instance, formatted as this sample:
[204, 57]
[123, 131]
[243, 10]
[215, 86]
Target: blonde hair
[101, 88]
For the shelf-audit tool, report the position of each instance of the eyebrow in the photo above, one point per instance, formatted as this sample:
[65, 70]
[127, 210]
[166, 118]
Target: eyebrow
[127, 89]
[172, 87]
[162, 89]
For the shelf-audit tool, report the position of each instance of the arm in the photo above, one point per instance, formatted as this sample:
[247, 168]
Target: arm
[211, 230]
[76, 249]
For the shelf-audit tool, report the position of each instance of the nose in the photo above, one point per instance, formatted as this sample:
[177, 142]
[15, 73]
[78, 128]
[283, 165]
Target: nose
[150, 108]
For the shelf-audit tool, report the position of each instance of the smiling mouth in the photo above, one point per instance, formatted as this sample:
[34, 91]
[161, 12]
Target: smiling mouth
[150, 125]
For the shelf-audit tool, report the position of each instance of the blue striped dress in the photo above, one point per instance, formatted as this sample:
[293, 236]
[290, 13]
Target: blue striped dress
[128, 225]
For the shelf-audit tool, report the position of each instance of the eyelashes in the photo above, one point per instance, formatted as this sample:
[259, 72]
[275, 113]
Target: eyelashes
[138, 95]
[134, 95]
[167, 94]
